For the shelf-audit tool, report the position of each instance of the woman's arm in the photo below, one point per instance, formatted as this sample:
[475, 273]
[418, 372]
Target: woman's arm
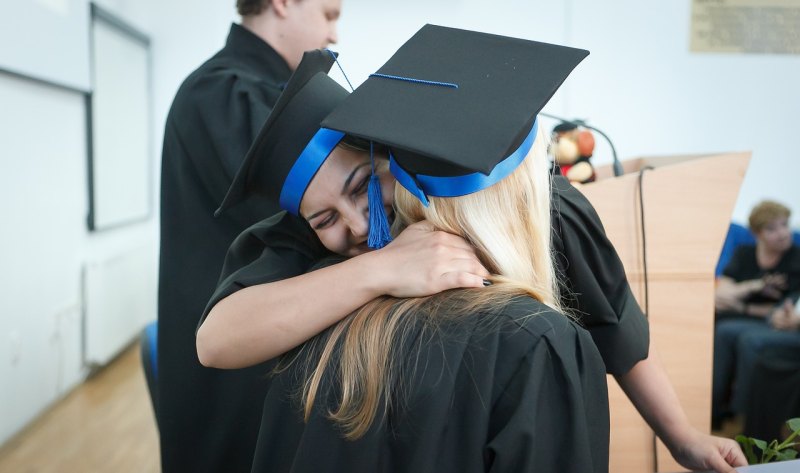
[730, 295]
[650, 390]
[260, 322]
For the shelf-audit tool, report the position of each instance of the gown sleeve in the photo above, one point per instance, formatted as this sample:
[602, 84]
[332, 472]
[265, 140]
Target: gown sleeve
[552, 416]
[279, 247]
[594, 282]
[219, 117]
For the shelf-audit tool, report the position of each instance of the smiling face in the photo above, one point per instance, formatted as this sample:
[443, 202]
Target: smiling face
[335, 202]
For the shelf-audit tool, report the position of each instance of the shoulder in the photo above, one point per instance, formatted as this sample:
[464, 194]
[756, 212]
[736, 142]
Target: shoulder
[524, 326]
[280, 231]
[535, 321]
[744, 254]
[792, 258]
[574, 220]
[569, 201]
[275, 248]
[219, 79]
[529, 340]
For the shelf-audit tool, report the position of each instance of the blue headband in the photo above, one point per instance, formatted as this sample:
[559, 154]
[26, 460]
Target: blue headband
[422, 186]
[306, 166]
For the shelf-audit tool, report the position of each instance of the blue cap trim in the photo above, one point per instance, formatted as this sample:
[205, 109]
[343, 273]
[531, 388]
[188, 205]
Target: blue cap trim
[306, 166]
[422, 186]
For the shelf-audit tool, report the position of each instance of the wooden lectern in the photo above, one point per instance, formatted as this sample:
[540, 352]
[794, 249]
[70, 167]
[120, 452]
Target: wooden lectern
[687, 206]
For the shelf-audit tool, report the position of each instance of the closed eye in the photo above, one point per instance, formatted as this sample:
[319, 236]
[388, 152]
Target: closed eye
[326, 222]
[362, 186]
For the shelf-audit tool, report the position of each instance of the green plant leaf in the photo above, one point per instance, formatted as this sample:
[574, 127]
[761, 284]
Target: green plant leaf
[765, 455]
[794, 424]
[747, 447]
[787, 454]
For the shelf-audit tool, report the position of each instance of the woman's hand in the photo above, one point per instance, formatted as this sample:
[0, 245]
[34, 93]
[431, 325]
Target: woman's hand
[773, 285]
[785, 317]
[698, 451]
[422, 261]
[650, 390]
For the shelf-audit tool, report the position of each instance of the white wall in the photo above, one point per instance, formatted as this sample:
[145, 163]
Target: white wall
[640, 85]
[653, 97]
[42, 239]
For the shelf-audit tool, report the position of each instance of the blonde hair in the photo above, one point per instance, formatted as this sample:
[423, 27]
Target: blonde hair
[765, 213]
[509, 225]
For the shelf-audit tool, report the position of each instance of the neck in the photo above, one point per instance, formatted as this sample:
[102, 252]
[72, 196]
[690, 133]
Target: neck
[766, 257]
[265, 26]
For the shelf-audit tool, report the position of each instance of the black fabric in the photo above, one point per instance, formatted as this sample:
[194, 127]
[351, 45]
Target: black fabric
[596, 287]
[276, 248]
[524, 392]
[208, 418]
[436, 130]
[775, 394]
[308, 97]
[743, 266]
[594, 280]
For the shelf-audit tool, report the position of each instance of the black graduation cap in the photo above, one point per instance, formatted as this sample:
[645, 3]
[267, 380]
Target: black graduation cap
[456, 108]
[291, 146]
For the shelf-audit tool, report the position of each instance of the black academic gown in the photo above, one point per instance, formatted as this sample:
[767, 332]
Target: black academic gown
[518, 389]
[208, 419]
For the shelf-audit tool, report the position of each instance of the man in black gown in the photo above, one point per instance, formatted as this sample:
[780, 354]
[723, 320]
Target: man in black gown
[208, 419]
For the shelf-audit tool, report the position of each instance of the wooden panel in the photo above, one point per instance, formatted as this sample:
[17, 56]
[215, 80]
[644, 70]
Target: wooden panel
[688, 202]
[631, 438]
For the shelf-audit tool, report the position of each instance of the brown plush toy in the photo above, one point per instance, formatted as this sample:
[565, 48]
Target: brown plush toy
[572, 149]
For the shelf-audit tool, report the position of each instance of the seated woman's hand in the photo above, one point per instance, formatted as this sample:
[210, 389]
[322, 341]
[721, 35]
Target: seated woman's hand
[785, 318]
[773, 285]
[422, 261]
[727, 302]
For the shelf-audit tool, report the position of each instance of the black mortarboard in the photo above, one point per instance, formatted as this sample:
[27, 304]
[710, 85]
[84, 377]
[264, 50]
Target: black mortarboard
[456, 108]
[291, 146]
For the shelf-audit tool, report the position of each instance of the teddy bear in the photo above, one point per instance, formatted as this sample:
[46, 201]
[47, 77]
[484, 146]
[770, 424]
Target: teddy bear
[572, 147]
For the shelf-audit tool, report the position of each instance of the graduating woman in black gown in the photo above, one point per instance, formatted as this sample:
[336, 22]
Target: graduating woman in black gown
[267, 303]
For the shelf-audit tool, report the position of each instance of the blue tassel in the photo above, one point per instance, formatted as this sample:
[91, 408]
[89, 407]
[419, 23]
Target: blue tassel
[379, 235]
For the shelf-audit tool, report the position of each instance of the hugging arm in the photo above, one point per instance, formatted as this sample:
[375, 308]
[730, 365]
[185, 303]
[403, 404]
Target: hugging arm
[257, 322]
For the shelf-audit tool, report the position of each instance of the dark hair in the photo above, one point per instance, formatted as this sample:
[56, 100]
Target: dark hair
[251, 7]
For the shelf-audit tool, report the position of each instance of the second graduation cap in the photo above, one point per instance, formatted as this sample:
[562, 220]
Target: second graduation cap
[456, 108]
[290, 147]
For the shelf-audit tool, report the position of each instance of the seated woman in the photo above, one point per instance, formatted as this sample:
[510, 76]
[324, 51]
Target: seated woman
[487, 379]
[266, 303]
[754, 285]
